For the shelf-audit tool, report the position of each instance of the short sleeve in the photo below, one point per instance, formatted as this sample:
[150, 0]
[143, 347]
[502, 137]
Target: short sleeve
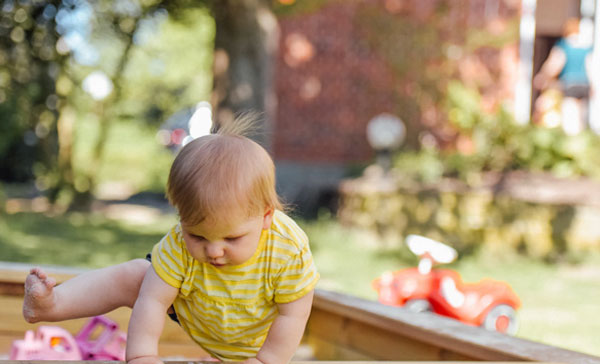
[298, 277]
[169, 257]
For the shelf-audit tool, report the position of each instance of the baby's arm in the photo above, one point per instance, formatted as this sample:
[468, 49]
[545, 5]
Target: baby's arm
[148, 319]
[285, 332]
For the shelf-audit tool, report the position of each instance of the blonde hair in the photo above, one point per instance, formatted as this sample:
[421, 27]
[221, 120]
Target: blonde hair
[223, 176]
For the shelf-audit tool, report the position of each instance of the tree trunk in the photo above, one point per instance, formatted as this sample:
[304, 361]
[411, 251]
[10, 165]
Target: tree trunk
[107, 116]
[246, 43]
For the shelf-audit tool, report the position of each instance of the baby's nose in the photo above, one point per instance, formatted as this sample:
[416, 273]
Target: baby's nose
[214, 250]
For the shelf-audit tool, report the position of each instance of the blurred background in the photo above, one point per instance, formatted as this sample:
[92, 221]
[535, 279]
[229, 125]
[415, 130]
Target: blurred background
[473, 122]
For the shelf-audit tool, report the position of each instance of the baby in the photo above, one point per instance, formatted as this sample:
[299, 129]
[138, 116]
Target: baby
[236, 273]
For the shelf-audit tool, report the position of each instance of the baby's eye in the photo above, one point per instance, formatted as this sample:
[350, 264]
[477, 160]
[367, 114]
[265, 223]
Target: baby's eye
[232, 239]
[197, 237]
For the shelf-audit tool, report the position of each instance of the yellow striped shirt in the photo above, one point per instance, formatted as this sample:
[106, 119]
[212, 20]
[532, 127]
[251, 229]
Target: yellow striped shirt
[229, 310]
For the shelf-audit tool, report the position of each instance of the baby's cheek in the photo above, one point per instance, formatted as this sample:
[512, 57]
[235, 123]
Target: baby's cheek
[196, 251]
[198, 257]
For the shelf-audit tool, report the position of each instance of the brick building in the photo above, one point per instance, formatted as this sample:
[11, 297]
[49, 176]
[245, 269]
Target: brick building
[348, 61]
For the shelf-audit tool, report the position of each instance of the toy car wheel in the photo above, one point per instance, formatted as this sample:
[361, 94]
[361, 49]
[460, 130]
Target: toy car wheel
[501, 318]
[418, 305]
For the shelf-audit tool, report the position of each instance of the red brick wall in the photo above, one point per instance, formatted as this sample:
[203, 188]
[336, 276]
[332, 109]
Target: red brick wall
[328, 87]
[330, 83]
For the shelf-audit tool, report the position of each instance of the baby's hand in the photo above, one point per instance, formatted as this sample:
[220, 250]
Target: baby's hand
[146, 360]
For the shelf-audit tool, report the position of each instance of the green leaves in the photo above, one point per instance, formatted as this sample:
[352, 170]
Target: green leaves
[493, 142]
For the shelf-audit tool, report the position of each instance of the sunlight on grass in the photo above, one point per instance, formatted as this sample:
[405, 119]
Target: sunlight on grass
[76, 239]
[132, 154]
[348, 260]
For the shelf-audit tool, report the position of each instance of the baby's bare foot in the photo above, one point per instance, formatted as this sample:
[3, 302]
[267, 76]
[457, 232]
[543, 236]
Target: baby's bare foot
[39, 295]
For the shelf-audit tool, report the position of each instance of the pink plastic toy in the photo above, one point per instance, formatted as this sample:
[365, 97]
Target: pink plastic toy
[109, 344]
[47, 343]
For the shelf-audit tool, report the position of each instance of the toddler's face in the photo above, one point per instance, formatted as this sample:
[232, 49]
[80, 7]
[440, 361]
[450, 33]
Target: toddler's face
[225, 245]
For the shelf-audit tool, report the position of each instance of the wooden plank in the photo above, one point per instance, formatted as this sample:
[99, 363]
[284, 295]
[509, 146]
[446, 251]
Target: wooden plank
[231, 362]
[16, 272]
[327, 350]
[341, 335]
[440, 332]
[12, 276]
[189, 351]
[11, 320]
[370, 341]
[174, 342]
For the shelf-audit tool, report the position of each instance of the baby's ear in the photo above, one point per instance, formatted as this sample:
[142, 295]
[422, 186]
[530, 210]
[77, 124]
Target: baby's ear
[268, 217]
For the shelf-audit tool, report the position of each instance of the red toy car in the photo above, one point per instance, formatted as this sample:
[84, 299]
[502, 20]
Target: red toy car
[490, 304]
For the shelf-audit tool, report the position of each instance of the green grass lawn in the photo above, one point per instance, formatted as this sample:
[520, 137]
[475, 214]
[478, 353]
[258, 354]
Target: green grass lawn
[76, 239]
[558, 304]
